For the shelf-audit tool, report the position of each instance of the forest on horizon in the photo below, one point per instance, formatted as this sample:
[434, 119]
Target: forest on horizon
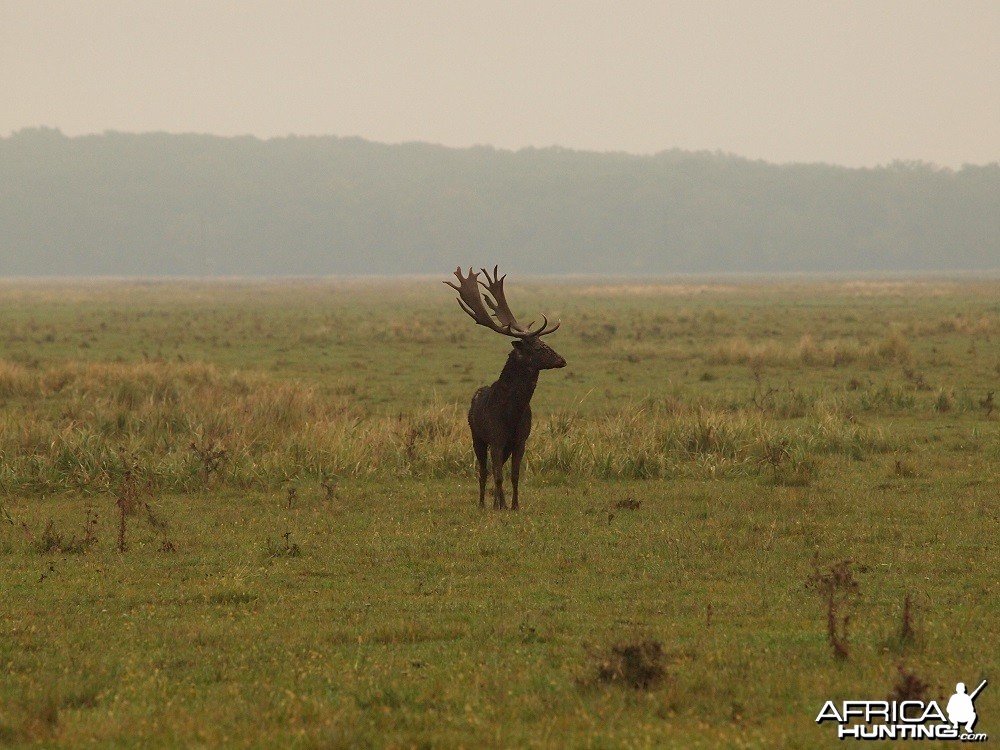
[157, 204]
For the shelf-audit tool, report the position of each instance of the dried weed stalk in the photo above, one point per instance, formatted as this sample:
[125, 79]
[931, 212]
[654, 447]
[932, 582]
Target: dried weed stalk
[839, 590]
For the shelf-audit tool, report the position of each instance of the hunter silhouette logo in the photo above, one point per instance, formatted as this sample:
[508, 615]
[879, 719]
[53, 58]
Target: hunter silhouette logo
[907, 720]
[960, 708]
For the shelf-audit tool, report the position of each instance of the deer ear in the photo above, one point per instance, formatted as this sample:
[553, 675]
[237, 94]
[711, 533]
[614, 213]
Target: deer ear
[517, 344]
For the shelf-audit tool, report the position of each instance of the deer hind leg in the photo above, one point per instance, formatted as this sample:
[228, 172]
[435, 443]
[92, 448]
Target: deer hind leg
[515, 473]
[497, 458]
[482, 448]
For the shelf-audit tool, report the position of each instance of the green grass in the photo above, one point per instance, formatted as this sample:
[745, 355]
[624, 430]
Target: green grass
[306, 564]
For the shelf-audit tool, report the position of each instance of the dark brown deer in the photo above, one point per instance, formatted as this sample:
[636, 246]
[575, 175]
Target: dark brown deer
[500, 414]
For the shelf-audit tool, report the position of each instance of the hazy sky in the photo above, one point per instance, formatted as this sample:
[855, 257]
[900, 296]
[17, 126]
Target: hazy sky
[854, 83]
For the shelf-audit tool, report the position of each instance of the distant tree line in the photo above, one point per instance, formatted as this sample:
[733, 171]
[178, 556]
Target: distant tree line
[159, 204]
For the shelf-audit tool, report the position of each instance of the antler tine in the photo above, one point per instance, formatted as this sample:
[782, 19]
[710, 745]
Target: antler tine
[544, 329]
[470, 300]
[499, 306]
[502, 310]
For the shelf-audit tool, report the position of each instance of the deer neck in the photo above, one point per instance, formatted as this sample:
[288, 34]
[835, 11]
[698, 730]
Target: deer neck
[518, 383]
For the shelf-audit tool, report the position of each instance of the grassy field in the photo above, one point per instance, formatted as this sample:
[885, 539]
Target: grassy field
[246, 514]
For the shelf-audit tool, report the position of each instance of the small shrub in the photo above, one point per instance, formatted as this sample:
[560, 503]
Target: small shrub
[52, 540]
[288, 549]
[628, 503]
[635, 665]
[210, 456]
[909, 686]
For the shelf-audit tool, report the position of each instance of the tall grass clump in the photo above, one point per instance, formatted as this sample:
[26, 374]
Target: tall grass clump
[828, 431]
[190, 426]
[892, 348]
[16, 380]
[640, 442]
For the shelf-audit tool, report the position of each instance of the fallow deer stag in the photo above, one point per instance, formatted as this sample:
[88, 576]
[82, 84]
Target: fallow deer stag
[500, 414]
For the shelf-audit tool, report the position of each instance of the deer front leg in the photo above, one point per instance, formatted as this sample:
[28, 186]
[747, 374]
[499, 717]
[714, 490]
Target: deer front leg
[496, 457]
[482, 448]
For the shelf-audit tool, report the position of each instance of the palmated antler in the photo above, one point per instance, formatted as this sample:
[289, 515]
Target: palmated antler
[502, 319]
